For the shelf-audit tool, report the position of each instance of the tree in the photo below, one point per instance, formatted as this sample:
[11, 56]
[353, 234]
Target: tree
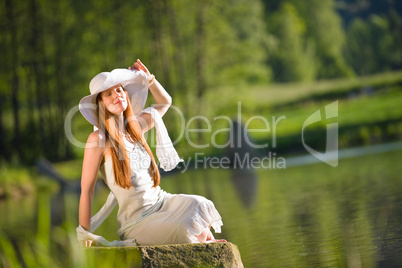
[324, 29]
[14, 82]
[293, 58]
[371, 46]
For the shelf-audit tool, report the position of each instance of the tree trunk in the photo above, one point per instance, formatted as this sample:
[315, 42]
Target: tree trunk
[156, 16]
[178, 45]
[61, 74]
[178, 65]
[200, 63]
[14, 85]
[38, 71]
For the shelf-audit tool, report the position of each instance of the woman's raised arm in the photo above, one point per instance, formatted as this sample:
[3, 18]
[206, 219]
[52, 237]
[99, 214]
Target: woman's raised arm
[162, 99]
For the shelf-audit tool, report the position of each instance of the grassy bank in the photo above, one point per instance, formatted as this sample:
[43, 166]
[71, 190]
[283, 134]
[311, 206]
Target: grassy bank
[15, 181]
[18, 181]
[280, 94]
[368, 112]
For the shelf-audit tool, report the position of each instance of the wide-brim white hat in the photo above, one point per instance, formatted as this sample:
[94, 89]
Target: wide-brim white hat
[134, 82]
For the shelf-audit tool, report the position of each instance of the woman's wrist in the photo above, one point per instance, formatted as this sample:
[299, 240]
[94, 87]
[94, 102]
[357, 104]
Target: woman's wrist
[151, 81]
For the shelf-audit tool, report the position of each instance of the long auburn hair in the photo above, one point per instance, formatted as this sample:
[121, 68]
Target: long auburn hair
[121, 163]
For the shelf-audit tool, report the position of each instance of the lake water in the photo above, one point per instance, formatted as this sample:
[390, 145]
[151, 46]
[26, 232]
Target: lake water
[303, 216]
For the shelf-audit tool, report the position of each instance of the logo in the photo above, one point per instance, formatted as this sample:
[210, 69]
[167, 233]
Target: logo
[331, 152]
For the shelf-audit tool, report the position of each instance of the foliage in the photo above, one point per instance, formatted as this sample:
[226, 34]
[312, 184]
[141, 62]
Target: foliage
[324, 28]
[293, 60]
[384, 51]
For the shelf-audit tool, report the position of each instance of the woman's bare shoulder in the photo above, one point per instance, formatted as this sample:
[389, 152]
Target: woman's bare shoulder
[96, 139]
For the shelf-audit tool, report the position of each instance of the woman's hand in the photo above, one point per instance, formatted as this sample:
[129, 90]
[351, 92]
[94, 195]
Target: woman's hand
[88, 243]
[139, 66]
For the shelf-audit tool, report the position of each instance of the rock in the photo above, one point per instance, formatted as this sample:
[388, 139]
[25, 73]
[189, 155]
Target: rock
[179, 255]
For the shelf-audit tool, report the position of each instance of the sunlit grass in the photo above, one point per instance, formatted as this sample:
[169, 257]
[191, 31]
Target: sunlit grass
[15, 181]
[359, 111]
[276, 94]
[71, 170]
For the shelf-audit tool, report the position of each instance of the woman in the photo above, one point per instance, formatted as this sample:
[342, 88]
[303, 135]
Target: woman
[147, 215]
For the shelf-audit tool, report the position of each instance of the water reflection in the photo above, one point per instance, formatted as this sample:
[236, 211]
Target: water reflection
[67, 187]
[304, 216]
[57, 200]
[245, 183]
[244, 177]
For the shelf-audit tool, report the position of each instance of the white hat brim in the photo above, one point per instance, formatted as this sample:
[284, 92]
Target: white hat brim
[134, 82]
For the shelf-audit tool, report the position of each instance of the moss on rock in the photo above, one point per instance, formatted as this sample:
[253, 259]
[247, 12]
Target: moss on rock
[179, 255]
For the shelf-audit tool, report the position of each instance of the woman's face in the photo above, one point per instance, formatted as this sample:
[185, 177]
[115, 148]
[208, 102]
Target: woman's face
[115, 99]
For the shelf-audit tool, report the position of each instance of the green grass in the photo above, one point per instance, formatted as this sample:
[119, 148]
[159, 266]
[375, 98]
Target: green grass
[16, 181]
[283, 93]
[71, 170]
[357, 111]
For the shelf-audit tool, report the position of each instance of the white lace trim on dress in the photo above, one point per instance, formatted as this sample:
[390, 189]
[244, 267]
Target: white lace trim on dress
[207, 216]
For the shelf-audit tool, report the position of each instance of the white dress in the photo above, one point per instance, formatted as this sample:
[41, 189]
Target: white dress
[152, 216]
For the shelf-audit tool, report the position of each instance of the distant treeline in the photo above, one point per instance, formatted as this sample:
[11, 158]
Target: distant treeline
[51, 49]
